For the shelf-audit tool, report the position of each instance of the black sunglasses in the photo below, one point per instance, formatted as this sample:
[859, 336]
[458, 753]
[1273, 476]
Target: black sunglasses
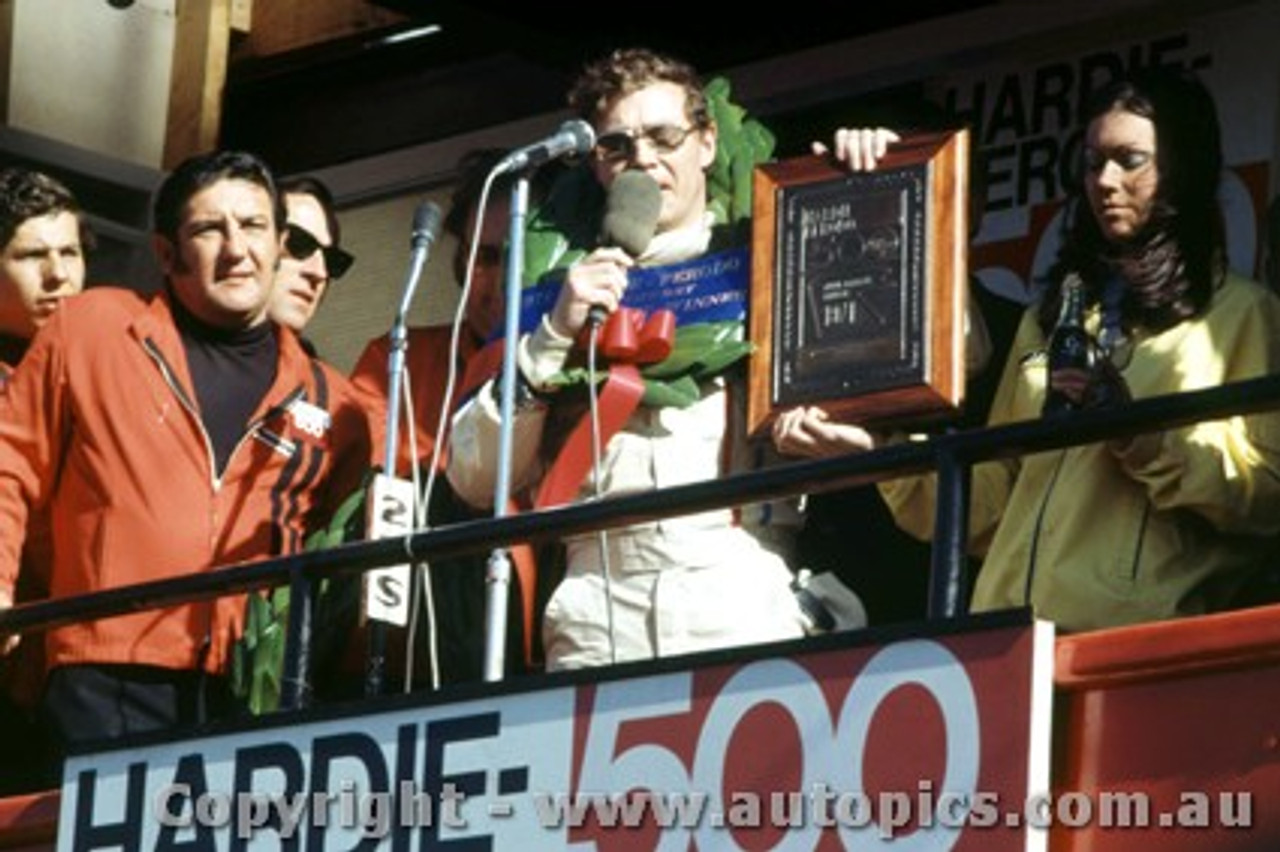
[301, 244]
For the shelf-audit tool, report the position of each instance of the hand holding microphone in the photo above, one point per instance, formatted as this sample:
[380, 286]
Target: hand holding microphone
[631, 212]
[594, 286]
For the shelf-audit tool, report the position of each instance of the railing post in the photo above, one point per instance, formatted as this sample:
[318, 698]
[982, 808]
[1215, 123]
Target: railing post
[295, 680]
[948, 579]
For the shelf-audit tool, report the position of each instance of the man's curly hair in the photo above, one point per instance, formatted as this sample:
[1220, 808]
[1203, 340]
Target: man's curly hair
[629, 70]
[27, 194]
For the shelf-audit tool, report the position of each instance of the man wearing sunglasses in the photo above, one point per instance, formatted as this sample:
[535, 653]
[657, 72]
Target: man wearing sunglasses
[681, 584]
[312, 257]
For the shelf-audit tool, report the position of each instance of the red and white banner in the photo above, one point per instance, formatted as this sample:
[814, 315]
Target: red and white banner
[936, 742]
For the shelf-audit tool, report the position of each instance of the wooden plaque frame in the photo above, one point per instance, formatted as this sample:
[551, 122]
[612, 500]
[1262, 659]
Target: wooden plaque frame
[859, 283]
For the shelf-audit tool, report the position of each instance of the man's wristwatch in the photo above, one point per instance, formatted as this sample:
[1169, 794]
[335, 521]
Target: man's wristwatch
[526, 397]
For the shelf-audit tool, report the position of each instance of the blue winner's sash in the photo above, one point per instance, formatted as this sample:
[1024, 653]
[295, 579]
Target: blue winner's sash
[711, 288]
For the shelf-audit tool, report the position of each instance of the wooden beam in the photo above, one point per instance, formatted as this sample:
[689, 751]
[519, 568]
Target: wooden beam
[201, 42]
[241, 16]
[279, 27]
[6, 58]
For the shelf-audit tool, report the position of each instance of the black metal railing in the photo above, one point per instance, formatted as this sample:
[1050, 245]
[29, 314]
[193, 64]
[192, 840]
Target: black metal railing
[951, 454]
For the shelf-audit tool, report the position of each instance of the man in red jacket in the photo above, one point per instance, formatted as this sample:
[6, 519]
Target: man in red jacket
[44, 239]
[170, 434]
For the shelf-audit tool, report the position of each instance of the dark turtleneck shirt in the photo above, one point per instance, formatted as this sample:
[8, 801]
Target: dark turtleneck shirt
[231, 369]
[12, 349]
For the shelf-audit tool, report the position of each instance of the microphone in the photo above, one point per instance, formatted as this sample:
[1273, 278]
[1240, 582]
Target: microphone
[391, 500]
[631, 211]
[426, 226]
[574, 137]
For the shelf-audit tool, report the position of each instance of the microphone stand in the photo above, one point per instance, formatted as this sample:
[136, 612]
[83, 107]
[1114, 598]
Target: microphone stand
[375, 671]
[498, 568]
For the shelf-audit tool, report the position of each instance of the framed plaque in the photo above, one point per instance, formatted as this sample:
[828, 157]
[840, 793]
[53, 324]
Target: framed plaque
[858, 285]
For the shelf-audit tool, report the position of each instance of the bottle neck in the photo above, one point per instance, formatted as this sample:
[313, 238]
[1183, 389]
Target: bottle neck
[1072, 311]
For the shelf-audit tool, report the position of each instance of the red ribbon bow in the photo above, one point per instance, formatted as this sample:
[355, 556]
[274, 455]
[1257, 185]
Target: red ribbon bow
[629, 337]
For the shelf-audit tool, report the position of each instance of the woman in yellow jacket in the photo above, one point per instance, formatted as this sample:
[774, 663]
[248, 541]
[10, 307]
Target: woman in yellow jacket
[1133, 529]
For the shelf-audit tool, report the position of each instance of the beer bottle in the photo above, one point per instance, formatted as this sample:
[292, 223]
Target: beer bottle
[1070, 345]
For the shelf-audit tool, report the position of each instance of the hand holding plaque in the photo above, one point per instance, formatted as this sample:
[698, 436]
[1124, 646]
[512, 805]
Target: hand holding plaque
[858, 285]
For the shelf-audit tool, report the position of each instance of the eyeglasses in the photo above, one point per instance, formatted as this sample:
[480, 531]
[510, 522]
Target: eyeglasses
[1128, 159]
[301, 244]
[619, 146]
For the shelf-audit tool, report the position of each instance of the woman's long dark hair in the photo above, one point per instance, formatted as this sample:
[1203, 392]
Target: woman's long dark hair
[1172, 266]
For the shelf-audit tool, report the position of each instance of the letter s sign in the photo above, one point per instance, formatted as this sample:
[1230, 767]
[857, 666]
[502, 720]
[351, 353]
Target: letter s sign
[390, 514]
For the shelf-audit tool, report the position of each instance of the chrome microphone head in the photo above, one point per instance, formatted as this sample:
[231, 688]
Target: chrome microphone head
[426, 224]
